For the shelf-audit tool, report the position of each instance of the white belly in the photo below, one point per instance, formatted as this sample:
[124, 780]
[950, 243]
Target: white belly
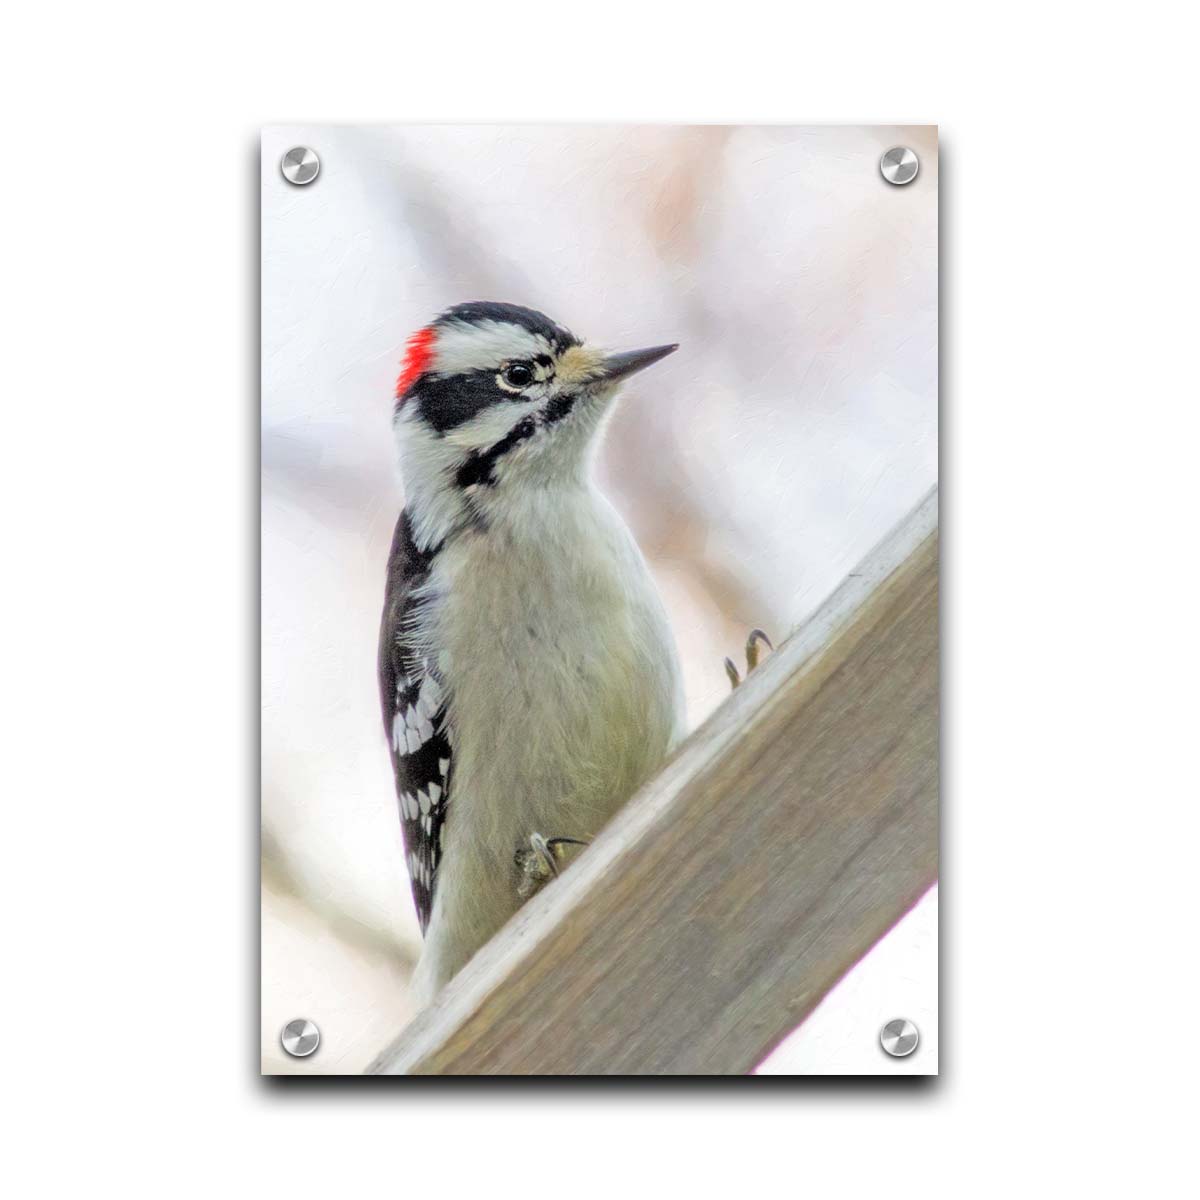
[564, 698]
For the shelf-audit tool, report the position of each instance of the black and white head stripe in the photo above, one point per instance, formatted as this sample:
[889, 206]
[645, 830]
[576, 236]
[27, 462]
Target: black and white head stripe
[480, 313]
[454, 368]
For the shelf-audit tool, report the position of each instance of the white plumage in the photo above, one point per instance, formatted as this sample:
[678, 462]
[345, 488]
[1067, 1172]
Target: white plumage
[572, 699]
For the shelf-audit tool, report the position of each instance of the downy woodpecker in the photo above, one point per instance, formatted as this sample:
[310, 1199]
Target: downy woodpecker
[527, 671]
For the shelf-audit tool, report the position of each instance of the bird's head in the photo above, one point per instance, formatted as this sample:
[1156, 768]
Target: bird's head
[494, 400]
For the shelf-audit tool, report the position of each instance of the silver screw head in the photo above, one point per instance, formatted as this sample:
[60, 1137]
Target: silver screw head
[300, 165]
[899, 165]
[300, 1038]
[899, 1037]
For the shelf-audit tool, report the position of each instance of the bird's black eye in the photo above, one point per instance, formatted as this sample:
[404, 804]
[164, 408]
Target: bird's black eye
[517, 374]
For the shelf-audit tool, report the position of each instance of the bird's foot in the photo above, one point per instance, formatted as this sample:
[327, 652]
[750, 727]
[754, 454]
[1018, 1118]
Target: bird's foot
[752, 656]
[541, 861]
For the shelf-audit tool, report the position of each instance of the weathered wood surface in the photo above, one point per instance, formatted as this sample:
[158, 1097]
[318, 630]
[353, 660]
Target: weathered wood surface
[783, 840]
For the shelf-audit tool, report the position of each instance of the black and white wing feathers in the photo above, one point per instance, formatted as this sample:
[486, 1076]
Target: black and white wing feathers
[414, 718]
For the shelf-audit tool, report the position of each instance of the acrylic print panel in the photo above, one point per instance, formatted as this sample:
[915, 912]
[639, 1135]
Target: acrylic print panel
[528, 678]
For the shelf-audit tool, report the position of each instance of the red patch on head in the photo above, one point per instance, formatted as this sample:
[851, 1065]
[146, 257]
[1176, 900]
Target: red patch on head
[417, 355]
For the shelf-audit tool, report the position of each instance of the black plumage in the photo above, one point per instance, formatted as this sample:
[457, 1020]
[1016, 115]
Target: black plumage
[422, 771]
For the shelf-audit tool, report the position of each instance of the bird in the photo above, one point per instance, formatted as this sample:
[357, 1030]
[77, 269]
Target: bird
[528, 675]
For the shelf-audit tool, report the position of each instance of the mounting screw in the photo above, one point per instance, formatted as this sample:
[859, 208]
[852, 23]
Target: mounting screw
[899, 165]
[899, 1037]
[300, 1038]
[300, 165]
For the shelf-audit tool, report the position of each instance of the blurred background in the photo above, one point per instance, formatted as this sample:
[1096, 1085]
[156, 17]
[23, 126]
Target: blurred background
[796, 425]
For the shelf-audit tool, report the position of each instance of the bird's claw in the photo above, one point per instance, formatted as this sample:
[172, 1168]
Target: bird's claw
[752, 656]
[539, 862]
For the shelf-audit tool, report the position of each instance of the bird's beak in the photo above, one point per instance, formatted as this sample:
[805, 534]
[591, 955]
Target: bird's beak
[617, 366]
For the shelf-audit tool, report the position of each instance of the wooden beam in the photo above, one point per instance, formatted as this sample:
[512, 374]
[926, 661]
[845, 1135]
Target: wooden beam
[788, 834]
